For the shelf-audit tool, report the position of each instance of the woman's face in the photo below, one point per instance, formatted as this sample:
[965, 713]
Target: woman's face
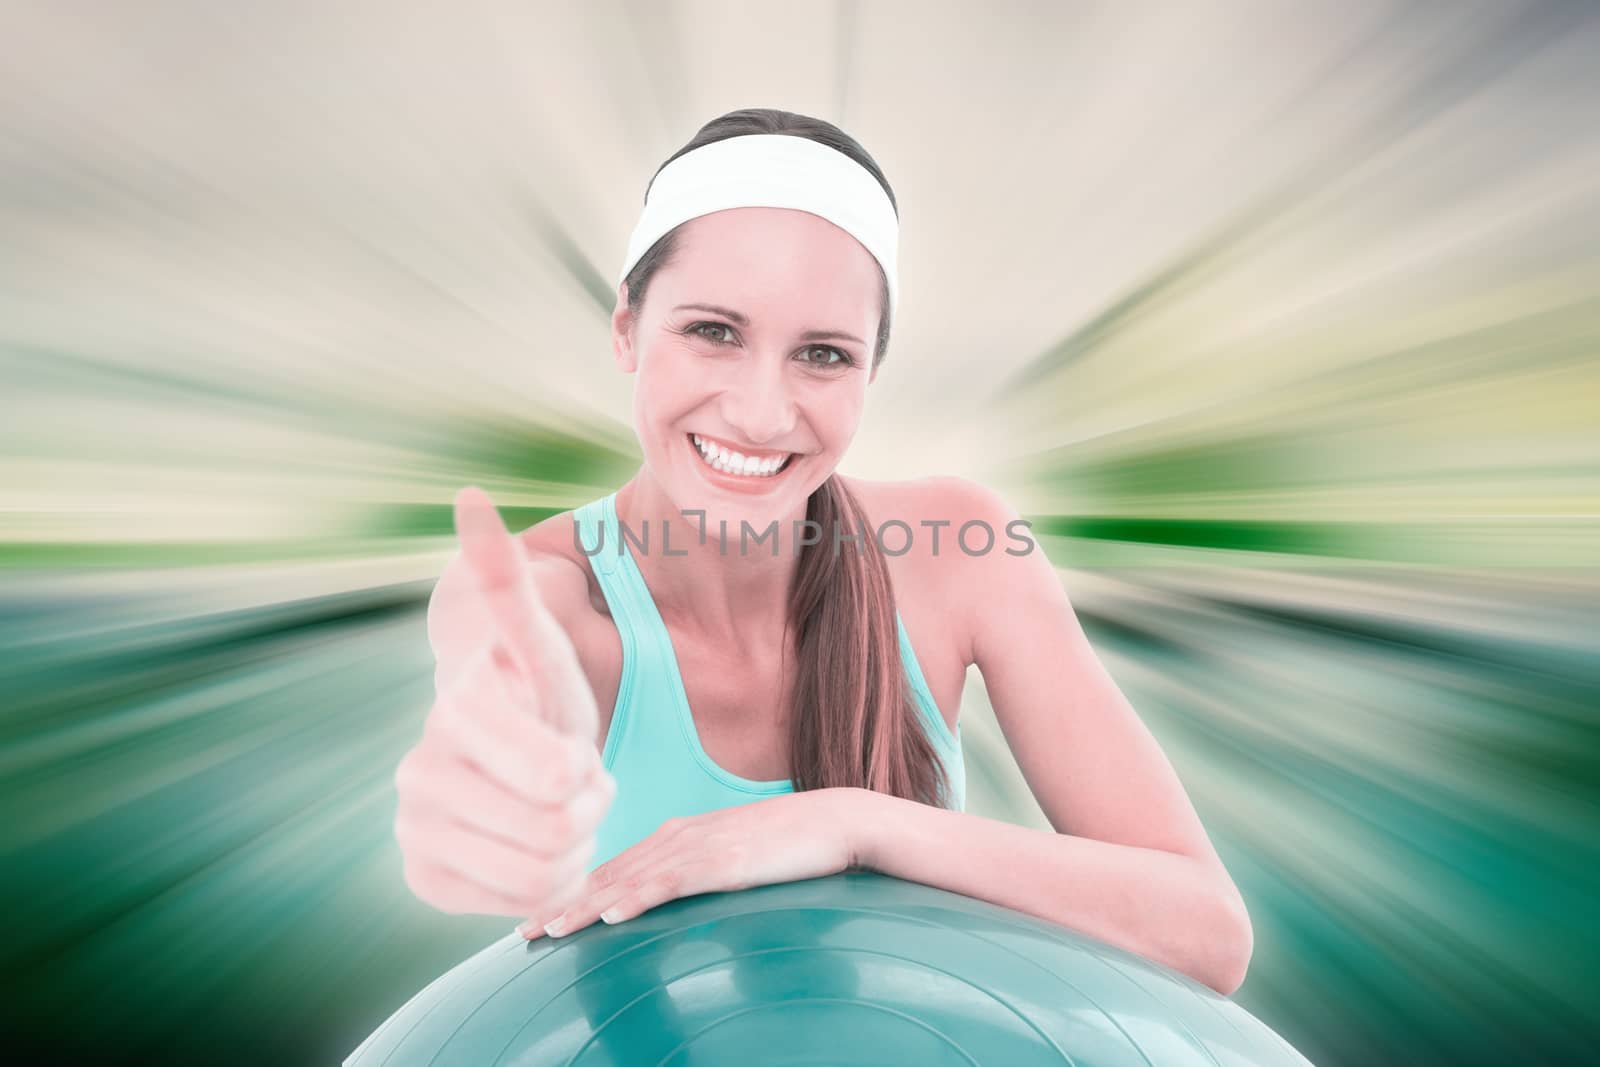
[775, 362]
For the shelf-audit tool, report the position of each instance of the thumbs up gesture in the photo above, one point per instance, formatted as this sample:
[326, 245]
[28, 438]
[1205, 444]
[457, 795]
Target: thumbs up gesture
[500, 798]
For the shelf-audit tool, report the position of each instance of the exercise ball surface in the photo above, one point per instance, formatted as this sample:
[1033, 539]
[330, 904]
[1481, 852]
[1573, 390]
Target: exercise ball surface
[854, 968]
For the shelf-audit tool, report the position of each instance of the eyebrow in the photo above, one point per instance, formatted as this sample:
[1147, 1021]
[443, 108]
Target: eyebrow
[742, 320]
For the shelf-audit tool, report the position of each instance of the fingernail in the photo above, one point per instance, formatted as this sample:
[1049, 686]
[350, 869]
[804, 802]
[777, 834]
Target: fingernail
[556, 926]
[527, 927]
[609, 915]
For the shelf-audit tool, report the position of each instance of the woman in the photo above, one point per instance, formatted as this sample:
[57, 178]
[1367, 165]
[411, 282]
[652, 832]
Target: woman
[784, 707]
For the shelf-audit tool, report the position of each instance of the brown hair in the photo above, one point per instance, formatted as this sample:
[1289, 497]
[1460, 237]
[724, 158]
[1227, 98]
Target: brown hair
[854, 721]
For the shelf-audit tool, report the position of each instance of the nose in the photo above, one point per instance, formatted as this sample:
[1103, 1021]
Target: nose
[759, 405]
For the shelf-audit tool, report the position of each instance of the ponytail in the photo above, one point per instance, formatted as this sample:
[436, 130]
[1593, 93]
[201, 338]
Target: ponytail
[854, 720]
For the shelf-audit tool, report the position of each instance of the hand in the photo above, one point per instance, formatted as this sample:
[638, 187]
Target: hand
[500, 799]
[785, 838]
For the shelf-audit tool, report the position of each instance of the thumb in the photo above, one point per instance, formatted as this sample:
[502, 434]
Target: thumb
[522, 621]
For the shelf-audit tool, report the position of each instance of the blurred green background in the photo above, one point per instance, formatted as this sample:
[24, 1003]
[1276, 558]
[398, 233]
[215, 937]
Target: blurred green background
[1279, 321]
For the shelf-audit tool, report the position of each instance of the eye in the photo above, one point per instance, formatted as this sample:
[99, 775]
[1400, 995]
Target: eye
[844, 359]
[698, 327]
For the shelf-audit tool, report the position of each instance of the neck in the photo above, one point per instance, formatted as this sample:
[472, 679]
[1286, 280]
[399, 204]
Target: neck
[732, 592]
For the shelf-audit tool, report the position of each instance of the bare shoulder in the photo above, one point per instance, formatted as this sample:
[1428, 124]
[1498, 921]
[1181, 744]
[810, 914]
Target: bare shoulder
[940, 534]
[560, 569]
[983, 538]
[933, 502]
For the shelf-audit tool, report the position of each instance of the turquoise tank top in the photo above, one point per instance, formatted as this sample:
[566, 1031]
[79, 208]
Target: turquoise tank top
[652, 748]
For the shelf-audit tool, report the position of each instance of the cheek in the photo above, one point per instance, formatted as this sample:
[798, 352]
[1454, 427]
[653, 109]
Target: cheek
[842, 413]
[668, 386]
[660, 374]
[675, 370]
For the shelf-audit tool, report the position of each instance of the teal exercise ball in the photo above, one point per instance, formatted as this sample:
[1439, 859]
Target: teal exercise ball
[854, 968]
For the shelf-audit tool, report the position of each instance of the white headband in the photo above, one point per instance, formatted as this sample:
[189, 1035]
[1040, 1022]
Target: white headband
[771, 170]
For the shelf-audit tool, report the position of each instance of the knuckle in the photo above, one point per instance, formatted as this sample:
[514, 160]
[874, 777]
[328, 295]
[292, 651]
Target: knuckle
[562, 825]
[559, 775]
[409, 834]
[403, 775]
[544, 836]
[438, 727]
[420, 880]
[509, 673]
[671, 880]
[515, 695]
[557, 779]
[408, 774]
[461, 672]
[413, 880]
[472, 682]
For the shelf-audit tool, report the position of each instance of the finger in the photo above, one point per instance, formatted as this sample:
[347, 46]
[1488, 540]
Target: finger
[523, 754]
[500, 868]
[515, 689]
[640, 856]
[522, 692]
[499, 571]
[566, 892]
[537, 643]
[667, 886]
[637, 894]
[564, 688]
[562, 916]
[455, 894]
[480, 805]
[561, 762]
[567, 876]
[444, 782]
[623, 876]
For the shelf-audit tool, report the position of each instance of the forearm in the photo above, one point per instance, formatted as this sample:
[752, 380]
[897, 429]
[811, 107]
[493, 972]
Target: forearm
[1166, 907]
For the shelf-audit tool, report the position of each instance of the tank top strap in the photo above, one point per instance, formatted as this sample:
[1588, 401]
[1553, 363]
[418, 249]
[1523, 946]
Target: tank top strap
[945, 741]
[596, 537]
[624, 589]
[932, 717]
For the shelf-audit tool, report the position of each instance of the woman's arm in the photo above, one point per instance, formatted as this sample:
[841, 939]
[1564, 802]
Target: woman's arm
[1168, 907]
[1129, 862]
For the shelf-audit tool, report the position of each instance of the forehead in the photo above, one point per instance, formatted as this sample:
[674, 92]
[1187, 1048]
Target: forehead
[774, 258]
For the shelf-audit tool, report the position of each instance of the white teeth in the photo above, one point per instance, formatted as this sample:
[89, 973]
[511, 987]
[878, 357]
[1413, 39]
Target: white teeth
[736, 463]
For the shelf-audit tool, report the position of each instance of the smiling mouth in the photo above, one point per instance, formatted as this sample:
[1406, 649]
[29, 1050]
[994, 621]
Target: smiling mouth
[735, 465]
